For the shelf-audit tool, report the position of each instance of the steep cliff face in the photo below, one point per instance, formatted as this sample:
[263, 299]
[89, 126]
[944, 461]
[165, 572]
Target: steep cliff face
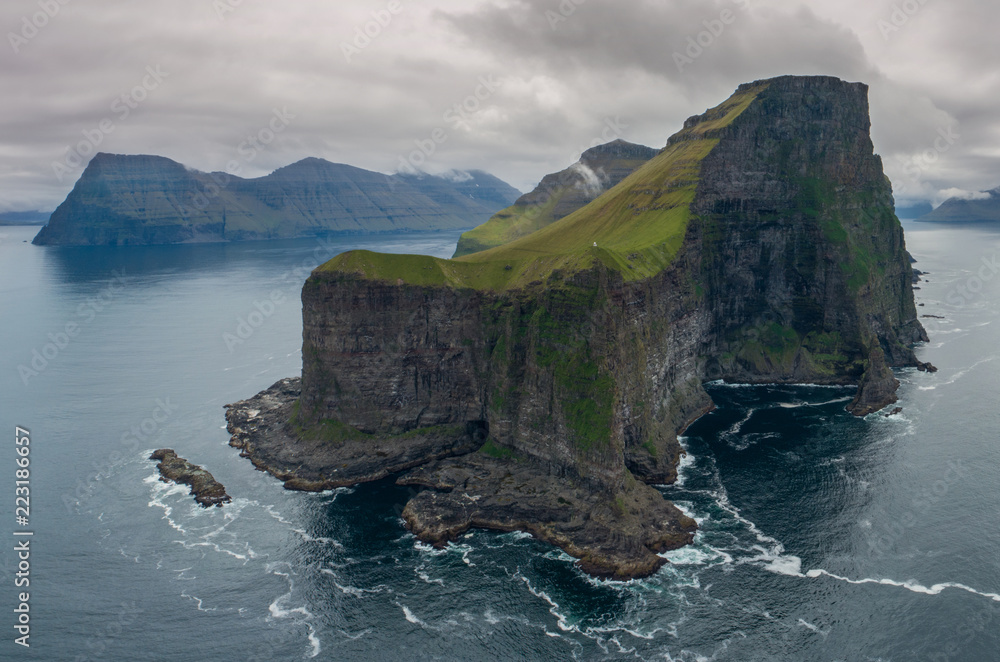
[760, 245]
[804, 265]
[127, 200]
[558, 195]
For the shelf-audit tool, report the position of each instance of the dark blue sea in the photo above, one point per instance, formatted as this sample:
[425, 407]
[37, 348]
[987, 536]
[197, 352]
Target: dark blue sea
[822, 536]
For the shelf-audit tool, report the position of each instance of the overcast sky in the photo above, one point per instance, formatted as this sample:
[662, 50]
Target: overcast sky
[540, 81]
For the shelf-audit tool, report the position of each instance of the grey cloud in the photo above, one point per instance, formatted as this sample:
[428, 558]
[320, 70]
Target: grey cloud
[609, 61]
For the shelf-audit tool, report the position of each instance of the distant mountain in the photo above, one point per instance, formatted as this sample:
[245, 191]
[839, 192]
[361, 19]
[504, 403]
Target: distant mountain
[914, 211]
[960, 210]
[558, 195]
[24, 217]
[135, 200]
[459, 188]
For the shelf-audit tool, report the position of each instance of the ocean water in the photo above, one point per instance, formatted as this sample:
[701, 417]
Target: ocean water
[822, 536]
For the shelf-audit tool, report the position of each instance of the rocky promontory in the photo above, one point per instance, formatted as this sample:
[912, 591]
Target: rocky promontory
[541, 385]
[206, 490]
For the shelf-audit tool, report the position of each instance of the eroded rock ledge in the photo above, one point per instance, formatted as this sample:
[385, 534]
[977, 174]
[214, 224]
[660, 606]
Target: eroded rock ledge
[206, 490]
[615, 536]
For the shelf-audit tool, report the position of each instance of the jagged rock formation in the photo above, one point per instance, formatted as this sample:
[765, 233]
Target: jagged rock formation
[962, 210]
[760, 245]
[558, 195]
[132, 200]
[206, 490]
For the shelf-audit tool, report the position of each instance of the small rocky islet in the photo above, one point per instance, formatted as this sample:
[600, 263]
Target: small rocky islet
[541, 385]
[206, 490]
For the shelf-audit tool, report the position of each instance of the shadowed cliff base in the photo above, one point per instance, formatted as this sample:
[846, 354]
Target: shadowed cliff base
[540, 385]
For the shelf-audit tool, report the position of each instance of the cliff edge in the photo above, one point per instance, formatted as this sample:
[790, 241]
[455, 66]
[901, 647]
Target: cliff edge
[541, 385]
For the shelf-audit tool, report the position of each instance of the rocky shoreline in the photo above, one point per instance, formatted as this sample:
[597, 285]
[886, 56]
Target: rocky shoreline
[469, 486]
[206, 490]
[260, 428]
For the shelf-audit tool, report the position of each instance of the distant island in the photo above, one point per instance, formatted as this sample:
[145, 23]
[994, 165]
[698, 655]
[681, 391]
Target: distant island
[984, 208]
[24, 217]
[137, 200]
[541, 385]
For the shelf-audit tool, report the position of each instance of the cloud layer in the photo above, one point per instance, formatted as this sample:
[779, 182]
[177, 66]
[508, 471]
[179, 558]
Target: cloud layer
[515, 87]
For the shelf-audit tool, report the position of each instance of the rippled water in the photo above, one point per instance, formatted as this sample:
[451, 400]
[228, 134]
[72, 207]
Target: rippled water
[823, 537]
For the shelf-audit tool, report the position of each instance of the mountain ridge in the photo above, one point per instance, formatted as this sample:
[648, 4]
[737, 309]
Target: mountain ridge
[148, 199]
[964, 210]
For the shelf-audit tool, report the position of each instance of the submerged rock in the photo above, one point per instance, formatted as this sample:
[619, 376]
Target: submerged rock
[206, 490]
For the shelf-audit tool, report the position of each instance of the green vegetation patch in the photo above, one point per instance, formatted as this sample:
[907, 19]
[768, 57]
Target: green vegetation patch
[490, 449]
[516, 221]
[635, 229]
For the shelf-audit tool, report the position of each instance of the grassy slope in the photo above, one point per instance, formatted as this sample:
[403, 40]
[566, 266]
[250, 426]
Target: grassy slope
[511, 223]
[638, 226]
[520, 220]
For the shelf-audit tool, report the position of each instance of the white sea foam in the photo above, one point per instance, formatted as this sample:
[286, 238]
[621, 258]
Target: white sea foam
[909, 585]
[562, 620]
[721, 383]
[735, 429]
[302, 533]
[785, 565]
[160, 491]
[697, 554]
[199, 603]
[245, 557]
[422, 573]
[181, 577]
[352, 590]
[813, 628]
[278, 610]
[515, 536]
[428, 549]
[687, 461]
[412, 618]
[797, 405]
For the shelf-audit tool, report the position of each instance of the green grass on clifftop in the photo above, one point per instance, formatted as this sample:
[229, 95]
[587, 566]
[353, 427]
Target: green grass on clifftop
[638, 226]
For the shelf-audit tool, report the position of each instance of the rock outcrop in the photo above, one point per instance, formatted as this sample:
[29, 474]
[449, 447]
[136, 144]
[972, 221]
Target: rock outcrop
[759, 246]
[599, 169]
[132, 200]
[206, 490]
